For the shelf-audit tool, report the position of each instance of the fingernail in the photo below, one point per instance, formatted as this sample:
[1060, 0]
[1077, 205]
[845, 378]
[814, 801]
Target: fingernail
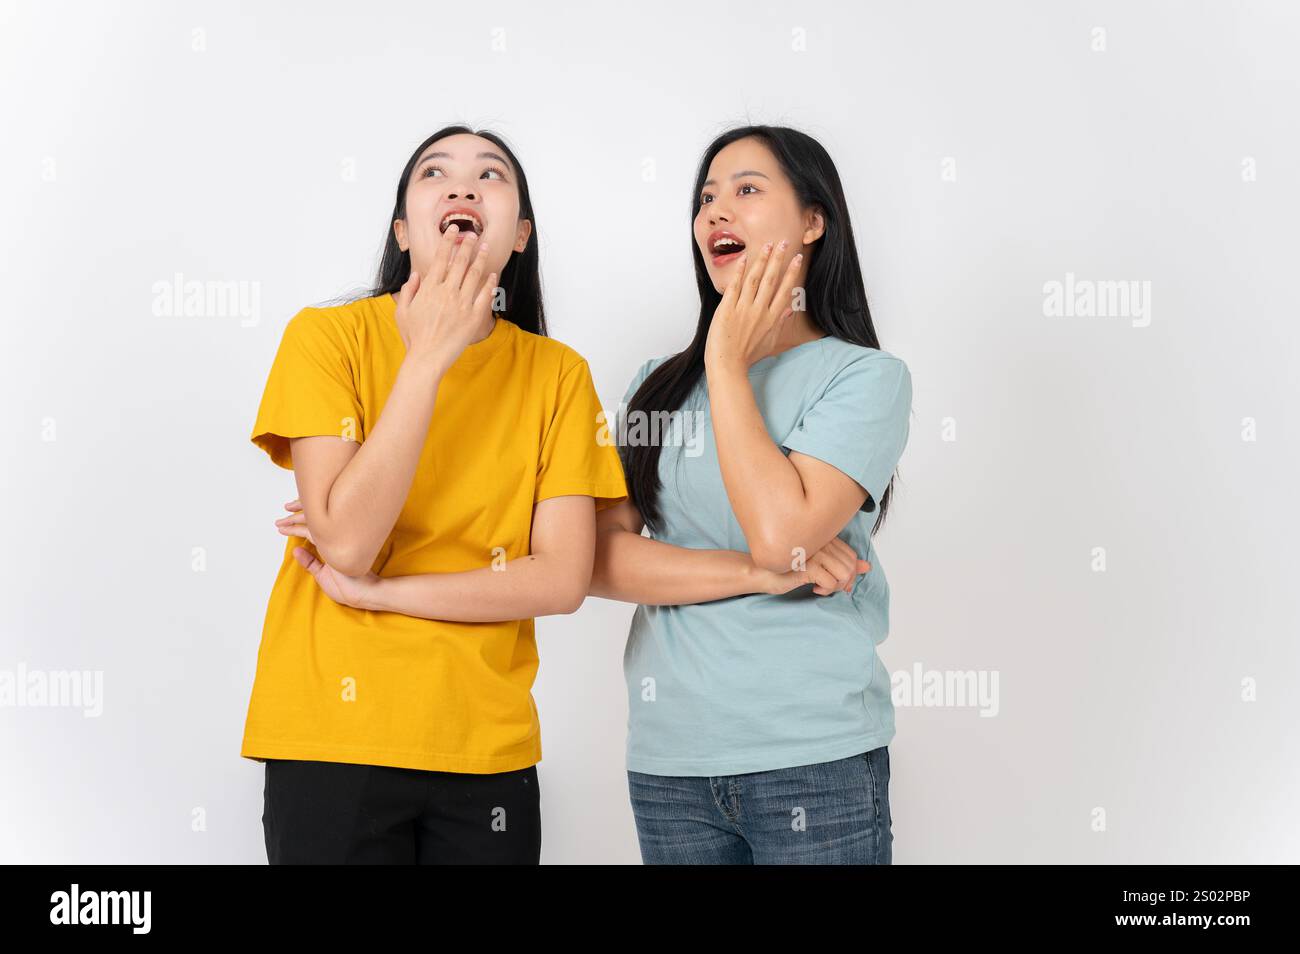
[799, 257]
[767, 247]
[783, 244]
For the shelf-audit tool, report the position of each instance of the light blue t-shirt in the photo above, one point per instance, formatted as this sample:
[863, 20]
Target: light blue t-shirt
[759, 682]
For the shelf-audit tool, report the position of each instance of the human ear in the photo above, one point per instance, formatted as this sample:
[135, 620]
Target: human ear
[399, 232]
[522, 232]
[814, 225]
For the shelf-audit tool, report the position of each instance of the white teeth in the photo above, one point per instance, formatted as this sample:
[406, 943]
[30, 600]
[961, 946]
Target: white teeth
[724, 241]
[462, 216]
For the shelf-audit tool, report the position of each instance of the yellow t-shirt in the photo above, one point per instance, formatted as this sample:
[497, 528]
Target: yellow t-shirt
[515, 422]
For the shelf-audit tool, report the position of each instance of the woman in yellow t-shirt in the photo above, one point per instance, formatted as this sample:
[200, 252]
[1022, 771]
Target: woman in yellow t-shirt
[446, 461]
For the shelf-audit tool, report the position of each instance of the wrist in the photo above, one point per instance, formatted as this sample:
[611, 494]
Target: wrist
[372, 598]
[719, 366]
[427, 364]
[755, 578]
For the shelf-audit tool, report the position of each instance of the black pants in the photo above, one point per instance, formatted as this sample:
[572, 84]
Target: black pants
[340, 813]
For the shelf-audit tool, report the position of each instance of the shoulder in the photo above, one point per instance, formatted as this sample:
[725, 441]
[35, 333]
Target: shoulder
[340, 322]
[844, 359]
[839, 354]
[650, 366]
[549, 356]
[646, 369]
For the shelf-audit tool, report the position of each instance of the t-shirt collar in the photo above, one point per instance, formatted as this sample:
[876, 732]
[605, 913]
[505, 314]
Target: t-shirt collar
[502, 328]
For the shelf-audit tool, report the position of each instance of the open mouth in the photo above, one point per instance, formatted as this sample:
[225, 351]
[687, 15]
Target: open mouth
[467, 222]
[725, 247]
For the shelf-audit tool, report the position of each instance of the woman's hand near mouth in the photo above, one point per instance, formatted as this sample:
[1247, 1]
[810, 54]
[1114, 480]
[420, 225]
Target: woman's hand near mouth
[440, 313]
[754, 309]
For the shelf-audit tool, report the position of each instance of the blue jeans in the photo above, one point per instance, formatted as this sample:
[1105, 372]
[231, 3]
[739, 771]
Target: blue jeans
[827, 813]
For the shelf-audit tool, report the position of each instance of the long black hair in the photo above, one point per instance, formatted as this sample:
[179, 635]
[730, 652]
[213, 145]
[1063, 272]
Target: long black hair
[521, 278]
[835, 294]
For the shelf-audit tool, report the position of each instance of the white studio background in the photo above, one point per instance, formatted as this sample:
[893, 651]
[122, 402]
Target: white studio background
[1098, 512]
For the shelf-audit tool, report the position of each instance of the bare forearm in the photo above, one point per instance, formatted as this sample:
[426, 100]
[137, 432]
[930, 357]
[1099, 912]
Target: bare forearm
[637, 569]
[764, 488]
[535, 585]
[367, 496]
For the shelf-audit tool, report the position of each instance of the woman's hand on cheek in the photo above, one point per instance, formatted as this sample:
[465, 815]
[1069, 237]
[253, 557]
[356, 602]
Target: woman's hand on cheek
[346, 590]
[754, 309]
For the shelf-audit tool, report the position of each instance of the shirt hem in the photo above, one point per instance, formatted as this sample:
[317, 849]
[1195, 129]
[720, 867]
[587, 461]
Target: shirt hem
[764, 762]
[612, 490]
[526, 756]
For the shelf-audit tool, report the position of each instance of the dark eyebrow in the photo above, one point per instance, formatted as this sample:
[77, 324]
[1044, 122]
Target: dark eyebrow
[739, 175]
[447, 155]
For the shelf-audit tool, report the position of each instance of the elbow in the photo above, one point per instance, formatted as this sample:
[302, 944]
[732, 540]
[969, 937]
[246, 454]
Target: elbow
[570, 605]
[774, 564]
[775, 555]
[560, 604]
[349, 561]
[565, 596]
[568, 599]
[778, 542]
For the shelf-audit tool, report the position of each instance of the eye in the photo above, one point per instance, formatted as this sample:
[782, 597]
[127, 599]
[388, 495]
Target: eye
[748, 185]
[497, 172]
[706, 199]
[429, 171]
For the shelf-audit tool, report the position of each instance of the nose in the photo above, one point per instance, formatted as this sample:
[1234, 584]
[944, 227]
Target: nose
[468, 195]
[717, 213]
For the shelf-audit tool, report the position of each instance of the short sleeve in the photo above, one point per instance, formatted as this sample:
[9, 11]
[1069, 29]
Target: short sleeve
[578, 455]
[310, 390]
[860, 423]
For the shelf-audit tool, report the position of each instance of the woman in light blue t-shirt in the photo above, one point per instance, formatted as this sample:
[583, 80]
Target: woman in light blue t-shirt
[761, 459]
